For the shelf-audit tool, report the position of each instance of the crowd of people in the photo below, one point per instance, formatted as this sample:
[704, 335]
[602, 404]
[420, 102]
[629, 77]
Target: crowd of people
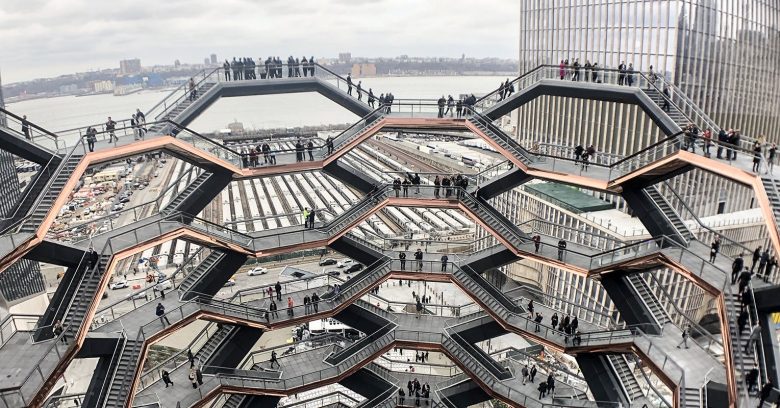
[272, 67]
[449, 106]
[414, 390]
[446, 186]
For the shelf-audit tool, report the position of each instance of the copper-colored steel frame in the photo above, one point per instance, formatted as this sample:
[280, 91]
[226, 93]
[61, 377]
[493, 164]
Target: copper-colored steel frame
[183, 148]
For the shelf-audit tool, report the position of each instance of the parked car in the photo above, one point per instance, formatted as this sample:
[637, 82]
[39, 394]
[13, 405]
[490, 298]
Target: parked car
[257, 271]
[333, 272]
[344, 263]
[354, 268]
[327, 261]
[119, 285]
[229, 283]
[164, 285]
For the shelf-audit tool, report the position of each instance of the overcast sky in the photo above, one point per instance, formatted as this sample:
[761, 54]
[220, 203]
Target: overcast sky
[42, 38]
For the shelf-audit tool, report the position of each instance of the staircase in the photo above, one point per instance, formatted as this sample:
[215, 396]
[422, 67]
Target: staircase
[671, 215]
[646, 294]
[32, 192]
[487, 294]
[79, 292]
[234, 401]
[363, 348]
[626, 376]
[355, 131]
[676, 115]
[503, 140]
[85, 294]
[478, 363]
[61, 177]
[692, 398]
[366, 278]
[772, 188]
[496, 221]
[737, 347]
[124, 374]
[212, 344]
[194, 185]
[183, 104]
[203, 268]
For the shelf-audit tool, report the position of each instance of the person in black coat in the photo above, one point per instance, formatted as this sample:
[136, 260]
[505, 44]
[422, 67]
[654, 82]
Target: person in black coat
[736, 268]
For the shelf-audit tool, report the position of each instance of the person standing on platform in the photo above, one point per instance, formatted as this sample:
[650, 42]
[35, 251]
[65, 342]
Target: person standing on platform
[685, 334]
[756, 257]
[26, 128]
[193, 378]
[349, 85]
[561, 249]
[418, 256]
[278, 288]
[537, 242]
[160, 311]
[736, 267]
[166, 377]
[310, 150]
[441, 102]
[402, 258]
[359, 89]
[444, 260]
[714, 249]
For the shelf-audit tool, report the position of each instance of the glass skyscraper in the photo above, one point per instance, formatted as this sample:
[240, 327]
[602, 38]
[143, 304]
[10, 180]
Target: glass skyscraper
[721, 54]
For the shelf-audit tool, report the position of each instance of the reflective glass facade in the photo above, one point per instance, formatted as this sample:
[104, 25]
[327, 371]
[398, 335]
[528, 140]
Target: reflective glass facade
[723, 54]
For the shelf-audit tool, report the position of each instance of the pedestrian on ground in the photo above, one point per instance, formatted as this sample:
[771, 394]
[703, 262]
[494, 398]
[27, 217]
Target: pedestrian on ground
[532, 373]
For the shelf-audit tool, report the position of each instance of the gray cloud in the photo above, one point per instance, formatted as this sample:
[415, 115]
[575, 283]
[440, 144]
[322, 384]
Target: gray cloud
[51, 37]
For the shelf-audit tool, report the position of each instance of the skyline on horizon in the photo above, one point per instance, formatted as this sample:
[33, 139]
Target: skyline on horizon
[44, 37]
